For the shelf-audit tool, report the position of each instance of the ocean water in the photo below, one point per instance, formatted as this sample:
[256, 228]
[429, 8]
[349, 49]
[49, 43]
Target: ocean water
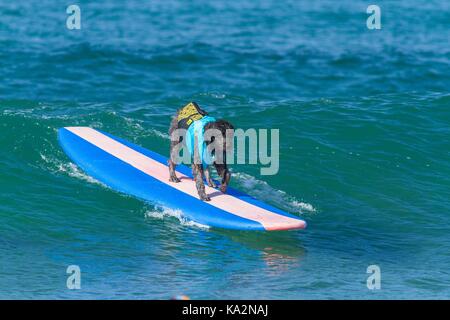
[364, 119]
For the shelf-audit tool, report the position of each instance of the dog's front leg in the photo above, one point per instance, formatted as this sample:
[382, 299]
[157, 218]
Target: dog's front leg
[173, 176]
[171, 162]
[197, 171]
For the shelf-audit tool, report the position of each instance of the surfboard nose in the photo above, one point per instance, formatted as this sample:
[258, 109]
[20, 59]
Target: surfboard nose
[298, 224]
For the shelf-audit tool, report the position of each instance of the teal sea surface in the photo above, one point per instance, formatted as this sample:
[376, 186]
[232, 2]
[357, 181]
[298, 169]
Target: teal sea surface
[364, 119]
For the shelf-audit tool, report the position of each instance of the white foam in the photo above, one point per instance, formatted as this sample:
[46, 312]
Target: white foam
[160, 134]
[34, 113]
[215, 95]
[72, 170]
[161, 212]
[303, 206]
[68, 168]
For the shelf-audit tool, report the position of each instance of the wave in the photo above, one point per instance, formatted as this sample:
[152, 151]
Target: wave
[160, 212]
[160, 134]
[263, 190]
[69, 168]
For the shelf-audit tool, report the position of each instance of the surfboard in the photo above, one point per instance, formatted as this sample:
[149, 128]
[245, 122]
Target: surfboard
[136, 171]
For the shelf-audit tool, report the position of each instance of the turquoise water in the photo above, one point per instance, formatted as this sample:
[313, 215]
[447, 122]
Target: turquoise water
[364, 146]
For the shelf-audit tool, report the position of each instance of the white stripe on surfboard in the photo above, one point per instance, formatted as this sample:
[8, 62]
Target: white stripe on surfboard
[270, 220]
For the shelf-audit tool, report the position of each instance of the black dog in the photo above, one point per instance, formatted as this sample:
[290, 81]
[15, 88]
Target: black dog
[186, 118]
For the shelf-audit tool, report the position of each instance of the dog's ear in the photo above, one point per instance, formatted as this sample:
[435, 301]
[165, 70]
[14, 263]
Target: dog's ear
[200, 110]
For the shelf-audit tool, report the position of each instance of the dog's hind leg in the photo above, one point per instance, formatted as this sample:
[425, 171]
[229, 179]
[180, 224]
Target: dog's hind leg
[208, 178]
[224, 173]
[197, 171]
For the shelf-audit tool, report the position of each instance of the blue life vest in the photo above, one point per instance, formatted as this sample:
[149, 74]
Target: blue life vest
[197, 128]
[194, 119]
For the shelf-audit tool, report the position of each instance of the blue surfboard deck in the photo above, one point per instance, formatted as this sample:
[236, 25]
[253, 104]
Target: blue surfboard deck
[136, 171]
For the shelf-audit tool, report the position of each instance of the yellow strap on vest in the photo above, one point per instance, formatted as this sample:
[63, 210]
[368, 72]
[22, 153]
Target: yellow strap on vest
[189, 113]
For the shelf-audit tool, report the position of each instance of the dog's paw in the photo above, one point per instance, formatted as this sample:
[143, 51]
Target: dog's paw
[174, 179]
[204, 197]
[212, 185]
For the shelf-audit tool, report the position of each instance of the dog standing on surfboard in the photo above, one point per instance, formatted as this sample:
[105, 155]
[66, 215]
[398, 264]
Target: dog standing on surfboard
[197, 124]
